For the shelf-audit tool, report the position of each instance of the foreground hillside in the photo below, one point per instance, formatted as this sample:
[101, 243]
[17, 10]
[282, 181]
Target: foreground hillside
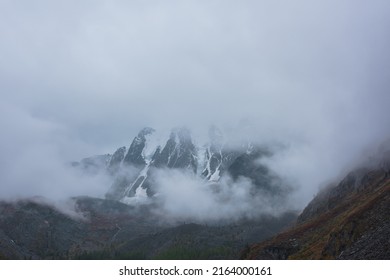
[106, 229]
[350, 220]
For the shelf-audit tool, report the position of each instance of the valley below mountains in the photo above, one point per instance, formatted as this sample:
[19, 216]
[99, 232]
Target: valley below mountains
[176, 199]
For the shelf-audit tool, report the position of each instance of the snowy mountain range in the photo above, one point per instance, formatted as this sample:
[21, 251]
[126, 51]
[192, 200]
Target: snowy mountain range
[133, 168]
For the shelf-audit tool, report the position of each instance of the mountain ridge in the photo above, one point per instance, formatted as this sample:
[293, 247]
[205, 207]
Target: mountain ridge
[133, 169]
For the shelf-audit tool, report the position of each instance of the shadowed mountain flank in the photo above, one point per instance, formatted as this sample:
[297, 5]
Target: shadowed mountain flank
[349, 220]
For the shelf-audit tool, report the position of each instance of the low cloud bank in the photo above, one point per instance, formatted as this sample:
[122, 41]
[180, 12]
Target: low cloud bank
[183, 196]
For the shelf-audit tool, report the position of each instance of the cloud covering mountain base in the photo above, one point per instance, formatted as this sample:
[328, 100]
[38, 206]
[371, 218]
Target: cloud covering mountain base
[80, 79]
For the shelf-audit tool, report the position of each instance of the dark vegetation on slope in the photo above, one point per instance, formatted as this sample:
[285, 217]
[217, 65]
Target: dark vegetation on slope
[112, 230]
[350, 220]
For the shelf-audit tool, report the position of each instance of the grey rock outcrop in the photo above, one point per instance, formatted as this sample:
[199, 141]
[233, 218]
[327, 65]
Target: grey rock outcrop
[136, 171]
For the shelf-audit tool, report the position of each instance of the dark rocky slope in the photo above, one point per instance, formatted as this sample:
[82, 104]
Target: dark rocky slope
[350, 220]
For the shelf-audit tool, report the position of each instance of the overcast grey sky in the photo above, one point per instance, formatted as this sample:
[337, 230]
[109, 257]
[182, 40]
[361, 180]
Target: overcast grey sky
[82, 77]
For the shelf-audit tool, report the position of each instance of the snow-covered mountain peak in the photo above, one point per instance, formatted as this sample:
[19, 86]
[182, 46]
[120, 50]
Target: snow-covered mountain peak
[134, 167]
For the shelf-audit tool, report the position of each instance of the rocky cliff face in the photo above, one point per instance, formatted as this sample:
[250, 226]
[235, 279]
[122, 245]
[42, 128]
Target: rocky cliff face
[348, 220]
[179, 152]
[133, 173]
[116, 160]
